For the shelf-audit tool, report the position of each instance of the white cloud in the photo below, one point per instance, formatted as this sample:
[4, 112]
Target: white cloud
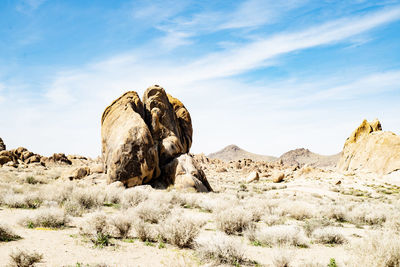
[264, 119]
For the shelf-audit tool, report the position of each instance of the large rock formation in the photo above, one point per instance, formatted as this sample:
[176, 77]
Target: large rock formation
[140, 139]
[370, 149]
[129, 153]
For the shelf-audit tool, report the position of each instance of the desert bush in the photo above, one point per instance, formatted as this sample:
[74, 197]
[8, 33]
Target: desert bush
[122, 224]
[281, 235]
[6, 234]
[380, 249]
[152, 211]
[133, 196]
[96, 227]
[114, 194]
[299, 210]
[50, 217]
[234, 220]
[282, 258]
[144, 231]
[87, 198]
[180, 230]
[221, 248]
[310, 225]
[21, 258]
[25, 201]
[272, 219]
[367, 214]
[328, 235]
[338, 213]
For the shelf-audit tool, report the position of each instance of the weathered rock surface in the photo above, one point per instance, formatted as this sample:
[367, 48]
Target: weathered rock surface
[165, 128]
[128, 149]
[183, 173]
[370, 149]
[254, 176]
[147, 142]
[2, 145]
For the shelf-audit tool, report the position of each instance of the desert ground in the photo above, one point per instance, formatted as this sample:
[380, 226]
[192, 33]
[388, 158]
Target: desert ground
[286, 216]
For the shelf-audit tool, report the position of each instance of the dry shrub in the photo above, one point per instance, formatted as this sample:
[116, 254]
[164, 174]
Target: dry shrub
[26, 201]
[282, 258]
[328, 235]
[122, 224]
[87, 198]
[180, 230]
[299, 210]
[337, 213]
[152, 211]
[144, 231]
[234, 220]
[6, 234]
[49, 217]
[380, 249]
[21, 258]
[133, 196]
[96, 227]
[281, 235]
[309, 226]
[114, 194]
[368, 214]
[221, 248]
[272, 219]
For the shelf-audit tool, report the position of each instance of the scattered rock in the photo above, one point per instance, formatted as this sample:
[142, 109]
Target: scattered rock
[370, 149]
[254, 176]
[278, 177]
[2, 145]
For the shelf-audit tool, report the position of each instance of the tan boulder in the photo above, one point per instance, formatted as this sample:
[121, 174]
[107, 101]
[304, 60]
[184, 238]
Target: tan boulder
[164, 125]
[253, 176]
[185, 122]
[370, 149]
[184, 174]
[129, 153]
[56, 159]
[2, 145]
[80, 173]
[33, 159]
[5, 159]
[278, 177]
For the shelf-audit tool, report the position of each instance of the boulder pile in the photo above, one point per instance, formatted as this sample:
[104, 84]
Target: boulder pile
[148, 142]
[2, 145]
[370, 149]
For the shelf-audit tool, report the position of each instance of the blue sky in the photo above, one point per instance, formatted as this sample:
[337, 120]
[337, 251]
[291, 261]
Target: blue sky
[269, 76]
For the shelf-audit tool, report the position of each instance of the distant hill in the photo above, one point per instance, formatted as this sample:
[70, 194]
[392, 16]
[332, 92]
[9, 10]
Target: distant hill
[233, 152]
[302, 156]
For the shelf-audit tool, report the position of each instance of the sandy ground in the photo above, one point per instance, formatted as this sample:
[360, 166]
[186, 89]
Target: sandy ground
[319, 188]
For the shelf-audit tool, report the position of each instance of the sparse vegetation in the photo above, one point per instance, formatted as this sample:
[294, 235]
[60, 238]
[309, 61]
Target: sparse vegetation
[21, 258]
[234, 220]
[51, 217]
[6, 234]
[180, 231]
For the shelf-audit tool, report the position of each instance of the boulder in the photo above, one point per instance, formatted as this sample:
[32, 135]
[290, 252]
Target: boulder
[2, 145]
[183, 173]
[79, 173]
[129, 153]
[5, 159]
[370, 149]
[254, 176]
[164, 125]
[56, 159]
[278, 177]
[33, 159]
[148, 142]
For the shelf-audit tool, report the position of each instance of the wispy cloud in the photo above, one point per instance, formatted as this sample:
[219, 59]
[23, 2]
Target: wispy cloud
[27, 6]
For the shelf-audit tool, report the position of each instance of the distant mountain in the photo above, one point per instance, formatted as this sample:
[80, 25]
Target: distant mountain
[233, 152]
[302, 156]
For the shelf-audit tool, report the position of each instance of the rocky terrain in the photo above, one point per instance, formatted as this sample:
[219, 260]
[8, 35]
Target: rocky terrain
[233, 152]
[302, 156]
[149, 202]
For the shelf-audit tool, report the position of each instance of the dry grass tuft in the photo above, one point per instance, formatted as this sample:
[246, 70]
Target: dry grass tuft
[133, 196]
[122, 224]
[378, 250]
[21, 258]
[328, 235]
[152, 211]
[280, 235]
[180, 230]
[50, 217]
[234, 220]
[6, 234]
[144, 231]
[221, 248]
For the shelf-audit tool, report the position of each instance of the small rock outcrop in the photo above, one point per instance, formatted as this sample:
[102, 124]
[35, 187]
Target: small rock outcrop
[370, 149]
[147, 142]
[2, 145]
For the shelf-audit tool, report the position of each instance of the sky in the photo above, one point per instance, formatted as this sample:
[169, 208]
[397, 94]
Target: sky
[268, 76]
